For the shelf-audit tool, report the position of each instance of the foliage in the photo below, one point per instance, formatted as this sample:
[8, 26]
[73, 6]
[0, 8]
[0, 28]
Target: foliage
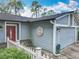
[3, 7]
[13, 53]
[35, 8]
[50, 12]
[16, 6]
[47, 13]
[11, 6]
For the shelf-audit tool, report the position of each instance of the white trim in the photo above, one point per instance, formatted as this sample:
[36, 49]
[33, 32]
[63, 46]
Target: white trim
[14, 24]
[16, 32]
[54, 39]
[61, 25]
[52, 22]
[11, 25]
[73, 26]
[62, 16]
[19, 31]
[54, 36]
[69, 19]
[76, 34]
[5, 32]
[73, 20]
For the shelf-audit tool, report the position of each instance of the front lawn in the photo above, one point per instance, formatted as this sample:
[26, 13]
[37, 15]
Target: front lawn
[13, 53]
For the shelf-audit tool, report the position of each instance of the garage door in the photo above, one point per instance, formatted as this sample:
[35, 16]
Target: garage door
[65, 36]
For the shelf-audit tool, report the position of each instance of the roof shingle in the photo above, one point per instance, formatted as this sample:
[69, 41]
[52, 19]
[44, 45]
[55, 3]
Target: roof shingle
[10, 17]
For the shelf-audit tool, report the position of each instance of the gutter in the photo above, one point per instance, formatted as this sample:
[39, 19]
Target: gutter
[54, 38]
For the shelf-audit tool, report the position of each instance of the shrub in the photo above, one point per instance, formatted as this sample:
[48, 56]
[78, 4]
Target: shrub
[13, 53]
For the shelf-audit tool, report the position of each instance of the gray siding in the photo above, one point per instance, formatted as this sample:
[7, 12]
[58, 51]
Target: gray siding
[45, 41]
[63, 20]
[25, 33]
[2, 32]
[65, 37]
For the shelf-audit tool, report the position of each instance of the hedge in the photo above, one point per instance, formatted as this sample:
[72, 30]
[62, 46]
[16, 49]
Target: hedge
[13, 53]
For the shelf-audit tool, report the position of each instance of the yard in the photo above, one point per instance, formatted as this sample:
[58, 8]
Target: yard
[13, 53]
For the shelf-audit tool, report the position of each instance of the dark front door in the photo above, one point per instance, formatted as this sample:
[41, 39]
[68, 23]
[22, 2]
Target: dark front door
[11, 32]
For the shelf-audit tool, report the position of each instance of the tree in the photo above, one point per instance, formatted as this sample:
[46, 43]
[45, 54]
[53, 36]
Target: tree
[16, 6]
[44, 12]
[51, 12]
[47, 13]
[4, 7]
[35, 8]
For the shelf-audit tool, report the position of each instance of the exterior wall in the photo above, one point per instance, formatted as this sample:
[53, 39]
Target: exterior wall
[25, 33]
[65, 36]
[2, 32]
[46, 40]
[63, 20]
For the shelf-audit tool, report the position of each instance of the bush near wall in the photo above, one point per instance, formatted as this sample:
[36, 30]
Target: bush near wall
[13, 53]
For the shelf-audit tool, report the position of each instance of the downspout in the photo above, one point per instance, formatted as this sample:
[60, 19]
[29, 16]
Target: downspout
[54, 37]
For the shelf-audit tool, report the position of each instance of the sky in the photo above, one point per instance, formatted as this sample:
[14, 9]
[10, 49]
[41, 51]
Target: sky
[57, 5]
[45, 2]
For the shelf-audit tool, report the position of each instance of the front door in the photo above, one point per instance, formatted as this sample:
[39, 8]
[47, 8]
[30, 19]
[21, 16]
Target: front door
[11, 32]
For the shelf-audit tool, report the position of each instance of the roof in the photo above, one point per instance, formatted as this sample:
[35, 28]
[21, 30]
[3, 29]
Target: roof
[10, 17]
[52, 17]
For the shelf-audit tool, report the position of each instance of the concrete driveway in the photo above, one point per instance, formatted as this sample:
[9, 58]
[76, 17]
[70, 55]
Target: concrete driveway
[70, 52]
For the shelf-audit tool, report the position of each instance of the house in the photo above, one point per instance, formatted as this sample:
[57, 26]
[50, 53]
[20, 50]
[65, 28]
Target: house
[49, 32]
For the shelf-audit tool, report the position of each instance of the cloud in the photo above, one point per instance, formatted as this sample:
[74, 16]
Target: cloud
[26, 12]
[61, 7]
[73, 3]
[58, 8]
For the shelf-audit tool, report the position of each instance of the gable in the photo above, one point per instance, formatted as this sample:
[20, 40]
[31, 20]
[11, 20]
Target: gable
[63, 19]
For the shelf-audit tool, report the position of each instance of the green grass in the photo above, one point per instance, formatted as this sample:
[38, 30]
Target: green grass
[13, 53]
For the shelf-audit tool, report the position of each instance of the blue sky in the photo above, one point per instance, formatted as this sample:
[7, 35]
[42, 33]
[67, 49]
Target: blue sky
[45, 2]
[57, 6]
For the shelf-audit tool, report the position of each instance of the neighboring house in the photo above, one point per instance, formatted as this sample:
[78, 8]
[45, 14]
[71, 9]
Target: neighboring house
[45, 32]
